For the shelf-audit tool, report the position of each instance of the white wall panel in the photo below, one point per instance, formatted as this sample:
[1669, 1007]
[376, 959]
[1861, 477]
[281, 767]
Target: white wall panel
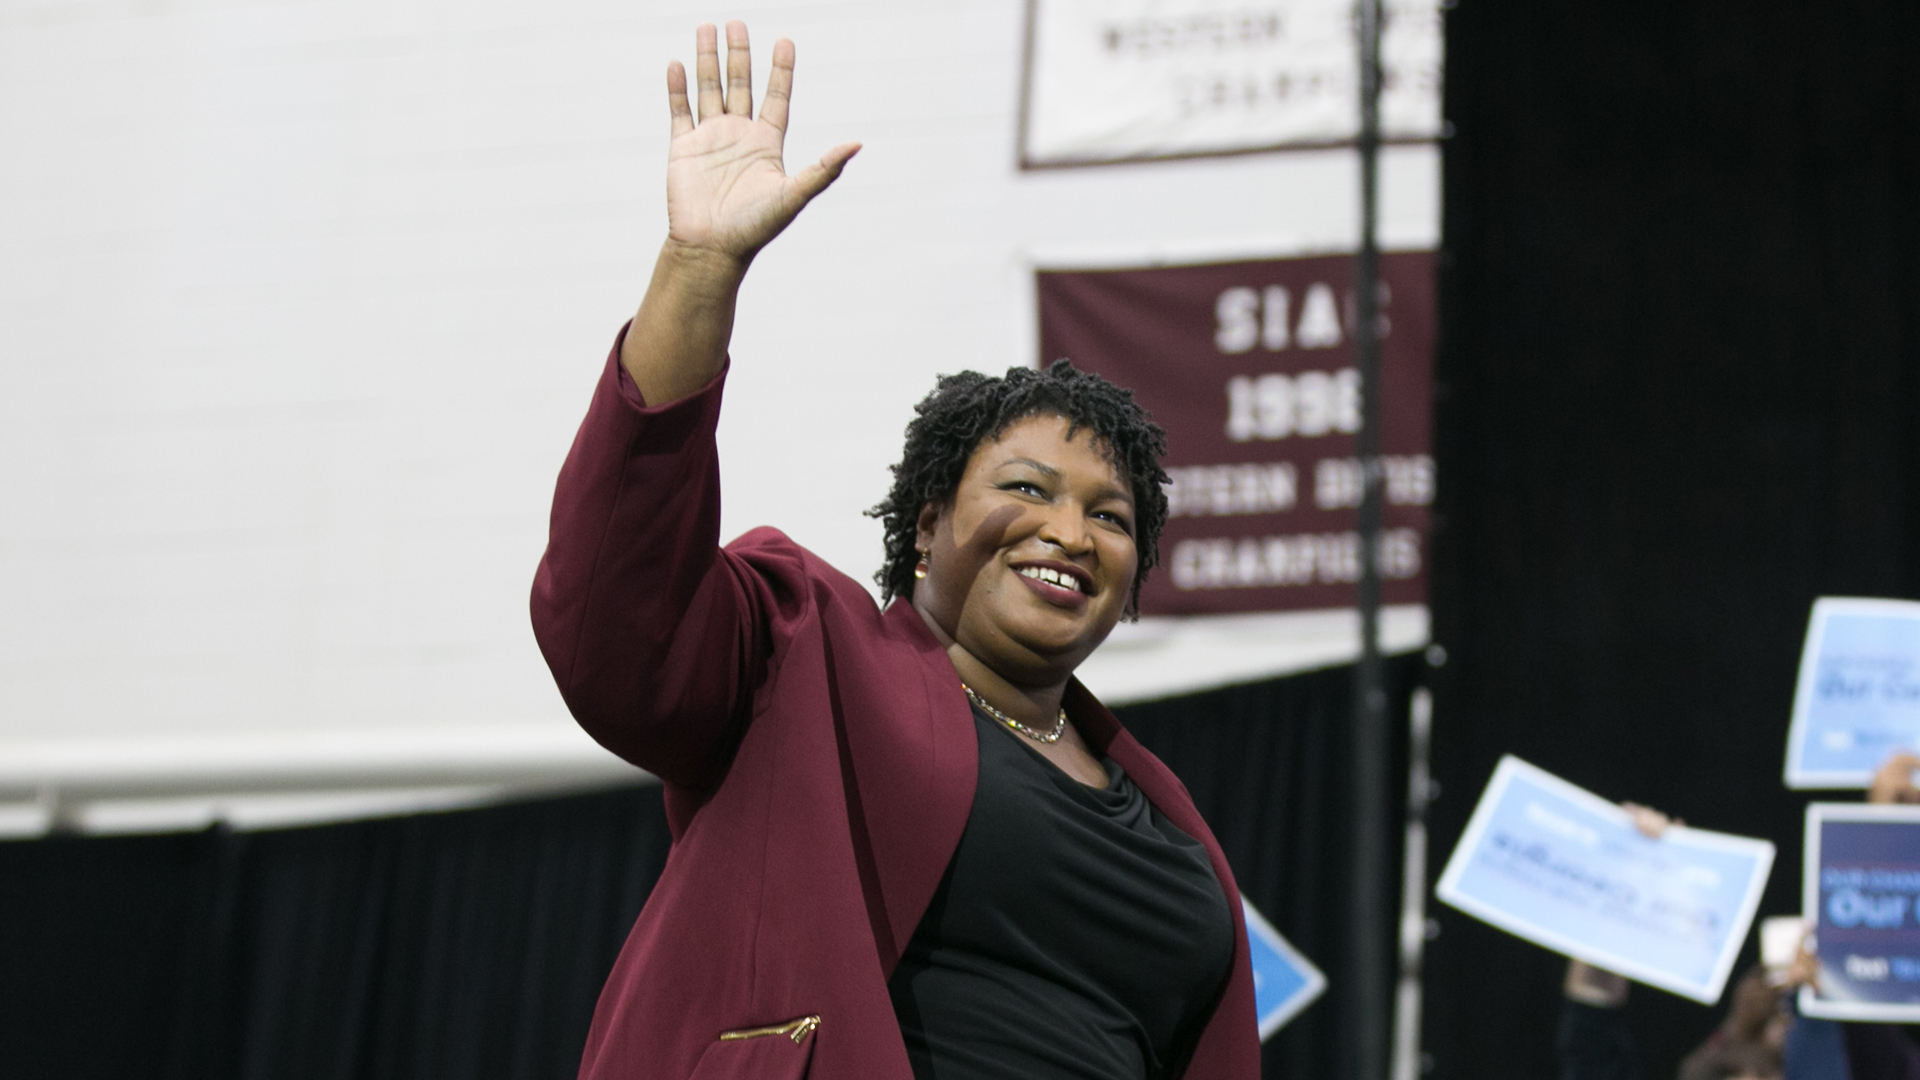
[301, 302]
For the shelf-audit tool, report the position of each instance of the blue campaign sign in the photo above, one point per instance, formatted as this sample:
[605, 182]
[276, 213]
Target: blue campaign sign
[1566, 869]
[1862, 888]
[1284, 982]
[1858, 697]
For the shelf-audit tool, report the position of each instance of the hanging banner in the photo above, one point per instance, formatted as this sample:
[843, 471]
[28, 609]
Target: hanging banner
[1119, 80]
[1862, 887]
[1566, 869]
[1249, 367]
[1857, 701]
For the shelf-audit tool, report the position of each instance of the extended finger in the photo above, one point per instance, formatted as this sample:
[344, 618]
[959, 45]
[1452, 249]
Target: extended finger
[706, 69]
[677, 99]
[814, 179]
[739, 71]
[779, 85]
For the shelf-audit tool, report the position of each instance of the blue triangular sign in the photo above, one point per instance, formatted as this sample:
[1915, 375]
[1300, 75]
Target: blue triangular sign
[1284, 982]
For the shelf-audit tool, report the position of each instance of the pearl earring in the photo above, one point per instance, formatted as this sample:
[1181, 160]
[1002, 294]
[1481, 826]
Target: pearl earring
[920, 571]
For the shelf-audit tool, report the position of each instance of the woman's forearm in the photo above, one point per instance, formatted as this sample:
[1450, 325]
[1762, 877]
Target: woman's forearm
[678, 340]
[640, 615]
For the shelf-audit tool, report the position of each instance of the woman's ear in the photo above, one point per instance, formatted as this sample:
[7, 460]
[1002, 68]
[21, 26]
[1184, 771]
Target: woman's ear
[927, 525]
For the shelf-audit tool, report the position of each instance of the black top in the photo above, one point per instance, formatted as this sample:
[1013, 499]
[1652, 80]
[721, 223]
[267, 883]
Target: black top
[1077, 935]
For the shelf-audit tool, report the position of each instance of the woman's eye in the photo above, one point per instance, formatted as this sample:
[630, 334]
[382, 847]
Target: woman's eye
[1025, 487]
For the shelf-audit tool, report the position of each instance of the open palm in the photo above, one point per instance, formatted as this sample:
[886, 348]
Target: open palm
[728, 191]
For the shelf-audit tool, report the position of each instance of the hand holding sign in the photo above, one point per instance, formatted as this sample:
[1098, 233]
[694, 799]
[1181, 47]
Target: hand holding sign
[1862, 888]
[1893, 784]
[1566, 869]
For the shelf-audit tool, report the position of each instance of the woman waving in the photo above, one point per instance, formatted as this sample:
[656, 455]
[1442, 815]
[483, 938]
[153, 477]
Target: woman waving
[907, 843]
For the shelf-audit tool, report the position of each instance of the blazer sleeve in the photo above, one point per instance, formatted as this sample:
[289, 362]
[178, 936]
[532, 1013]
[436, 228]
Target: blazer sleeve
[650, 629]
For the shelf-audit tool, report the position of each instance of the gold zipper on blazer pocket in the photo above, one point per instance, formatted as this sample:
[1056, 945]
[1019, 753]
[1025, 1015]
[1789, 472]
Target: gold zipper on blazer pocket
[797, 1030]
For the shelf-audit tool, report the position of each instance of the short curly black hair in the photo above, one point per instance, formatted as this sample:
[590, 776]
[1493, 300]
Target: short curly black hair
[968, 409]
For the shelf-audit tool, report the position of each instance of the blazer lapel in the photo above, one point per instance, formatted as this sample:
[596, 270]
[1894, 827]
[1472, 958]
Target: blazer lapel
[914, 777]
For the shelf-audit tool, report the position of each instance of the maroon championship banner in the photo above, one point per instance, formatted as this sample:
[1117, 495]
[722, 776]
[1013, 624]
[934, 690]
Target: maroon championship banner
[1250, 368]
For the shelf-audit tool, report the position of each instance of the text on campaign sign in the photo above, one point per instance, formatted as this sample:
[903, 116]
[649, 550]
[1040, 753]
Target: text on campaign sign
[1862, 888]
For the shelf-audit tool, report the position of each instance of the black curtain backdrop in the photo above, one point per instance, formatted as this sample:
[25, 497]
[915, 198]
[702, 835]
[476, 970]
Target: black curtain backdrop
[472, 945]
[454, 945]
[1677, 399]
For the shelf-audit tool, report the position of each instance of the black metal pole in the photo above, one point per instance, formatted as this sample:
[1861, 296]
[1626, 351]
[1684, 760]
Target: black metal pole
[1370, 978]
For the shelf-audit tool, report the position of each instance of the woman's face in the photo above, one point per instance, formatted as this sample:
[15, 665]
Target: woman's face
[1032, 562]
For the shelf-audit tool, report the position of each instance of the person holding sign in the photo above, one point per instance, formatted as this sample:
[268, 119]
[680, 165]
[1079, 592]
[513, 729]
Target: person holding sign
[1569, 870]
[1593, 1043]
[1870, 1051]
[906, 840]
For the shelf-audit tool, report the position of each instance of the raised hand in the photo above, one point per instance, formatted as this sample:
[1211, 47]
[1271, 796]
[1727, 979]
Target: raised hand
[728, 191]
[1893, 782]
[728, 194]
[1652, 823]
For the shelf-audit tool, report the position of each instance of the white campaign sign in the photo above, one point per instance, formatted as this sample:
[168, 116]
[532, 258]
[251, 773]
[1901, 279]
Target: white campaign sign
[1857, 701]
[1566, 869]
[1117, 80]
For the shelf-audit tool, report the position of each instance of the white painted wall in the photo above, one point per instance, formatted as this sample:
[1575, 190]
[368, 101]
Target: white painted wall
[301, 302]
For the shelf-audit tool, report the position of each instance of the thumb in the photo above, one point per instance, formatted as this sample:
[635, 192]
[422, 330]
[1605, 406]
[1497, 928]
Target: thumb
[815, 178]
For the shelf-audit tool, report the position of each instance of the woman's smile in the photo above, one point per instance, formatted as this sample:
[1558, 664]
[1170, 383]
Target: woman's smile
[1057, 584]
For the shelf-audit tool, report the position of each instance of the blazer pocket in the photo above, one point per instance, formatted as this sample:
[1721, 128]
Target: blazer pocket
[774, 1052]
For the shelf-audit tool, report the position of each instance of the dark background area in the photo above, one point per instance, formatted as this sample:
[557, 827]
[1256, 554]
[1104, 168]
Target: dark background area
[472, 944]
[1677, 399]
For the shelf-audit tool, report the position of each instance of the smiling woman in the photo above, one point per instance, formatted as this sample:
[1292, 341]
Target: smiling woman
[907, 841]
[1040, 498]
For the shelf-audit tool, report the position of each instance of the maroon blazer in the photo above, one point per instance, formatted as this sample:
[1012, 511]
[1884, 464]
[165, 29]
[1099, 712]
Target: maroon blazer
[819, 759]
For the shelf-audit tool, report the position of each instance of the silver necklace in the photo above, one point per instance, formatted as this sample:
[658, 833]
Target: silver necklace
[1048, 737]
